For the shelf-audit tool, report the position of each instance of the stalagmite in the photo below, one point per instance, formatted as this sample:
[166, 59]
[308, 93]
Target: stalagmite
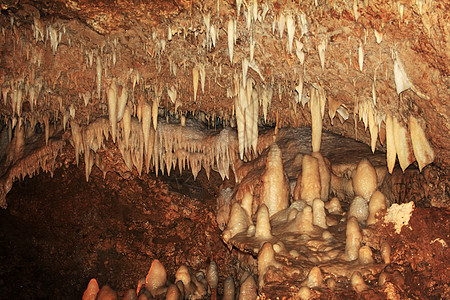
[237, 223]
[305, 218]
[402, 145]
[248, 289]
[385, 250]
[325, 176]
[184, 276]
[112, 109]
[91, 291]
[316, 119]
[310, 181]
[247, 205]
[315, 278]
[422, 150]
[319, 216]
[391, 152]
[364, 179]
[275, 192]
[304, 293]
[130, 295]
[266, 259]
[263, 229]
[229, 289]
[358, 283]
[107, 293]
[173, 293]
[156, 278]
[359, 209]
[195, 75]
[377, 203]
[212, 277]
[231, 35]
[365, 255]
[334, 206]
[353, 239]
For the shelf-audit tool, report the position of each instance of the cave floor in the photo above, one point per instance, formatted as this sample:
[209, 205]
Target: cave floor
[60, 232]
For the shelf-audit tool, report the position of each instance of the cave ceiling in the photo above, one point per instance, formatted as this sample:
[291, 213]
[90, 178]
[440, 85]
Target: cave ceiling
[367, 61]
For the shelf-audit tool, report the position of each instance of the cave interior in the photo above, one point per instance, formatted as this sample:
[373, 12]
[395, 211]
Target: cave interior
[224, 149]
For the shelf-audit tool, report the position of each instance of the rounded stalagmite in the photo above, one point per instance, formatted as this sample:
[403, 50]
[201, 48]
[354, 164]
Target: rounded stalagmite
[304, 293]
[364, 179]
[359, 209]
[365, 256]
[107, 293]
[358, 283]
[377, 203]
[334, 206]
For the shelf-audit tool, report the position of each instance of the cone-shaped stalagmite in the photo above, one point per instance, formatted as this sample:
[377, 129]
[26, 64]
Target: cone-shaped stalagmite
[310, 187]
[275, 193]
[237, 223]
[91, 291]
[156, 278]
[263, 229]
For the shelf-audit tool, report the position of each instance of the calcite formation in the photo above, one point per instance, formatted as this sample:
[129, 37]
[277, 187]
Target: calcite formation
[229, 87]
